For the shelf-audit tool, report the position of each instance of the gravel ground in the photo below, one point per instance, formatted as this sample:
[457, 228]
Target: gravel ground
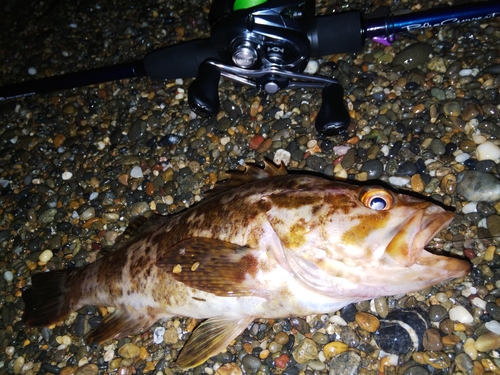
[78, 165]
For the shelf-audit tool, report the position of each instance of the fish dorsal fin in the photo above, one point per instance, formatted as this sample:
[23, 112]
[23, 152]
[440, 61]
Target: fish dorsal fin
[210, 338]
[213, 266]
[122, 323]
[246, 174]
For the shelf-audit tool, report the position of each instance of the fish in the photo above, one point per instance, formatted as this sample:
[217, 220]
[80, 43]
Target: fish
[264, 244]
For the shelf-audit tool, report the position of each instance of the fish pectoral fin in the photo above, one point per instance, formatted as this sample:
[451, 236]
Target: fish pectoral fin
[213, 266]
[210, 338]
[121, 323]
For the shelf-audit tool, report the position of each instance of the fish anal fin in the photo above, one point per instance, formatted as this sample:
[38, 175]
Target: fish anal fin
[214, 266]
[121, 323]
[210, 338]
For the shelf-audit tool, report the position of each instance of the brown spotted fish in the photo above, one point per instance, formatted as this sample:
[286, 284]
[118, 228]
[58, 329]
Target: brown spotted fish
[265, 244]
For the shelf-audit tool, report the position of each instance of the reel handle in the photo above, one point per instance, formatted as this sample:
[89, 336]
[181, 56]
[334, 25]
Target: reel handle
[333, 117]
[203, 95]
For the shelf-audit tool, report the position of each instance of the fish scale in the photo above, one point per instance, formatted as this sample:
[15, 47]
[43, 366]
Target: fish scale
[264, 244]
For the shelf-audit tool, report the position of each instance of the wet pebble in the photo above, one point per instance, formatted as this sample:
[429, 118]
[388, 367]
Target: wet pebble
[437, 313]
[478, 186]
[305, 351]
[129, 350]
[413, 56]
[374, 169]
[460, 314]
[432, 340]
[251, 362]
[487, 151]
[347, 363]
[367, 321]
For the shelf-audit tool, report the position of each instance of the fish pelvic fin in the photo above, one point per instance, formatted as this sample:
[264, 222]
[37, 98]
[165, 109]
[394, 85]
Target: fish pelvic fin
[210, 338]
[122, 323]
[48, 300]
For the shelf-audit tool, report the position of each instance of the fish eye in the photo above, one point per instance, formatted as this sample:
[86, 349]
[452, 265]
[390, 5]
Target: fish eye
[377, 199]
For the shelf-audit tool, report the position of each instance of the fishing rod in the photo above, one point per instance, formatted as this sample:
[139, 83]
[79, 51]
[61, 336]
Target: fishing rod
[265, 44]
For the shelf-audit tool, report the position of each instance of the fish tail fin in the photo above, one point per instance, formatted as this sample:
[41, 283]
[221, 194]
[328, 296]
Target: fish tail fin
[47, 301]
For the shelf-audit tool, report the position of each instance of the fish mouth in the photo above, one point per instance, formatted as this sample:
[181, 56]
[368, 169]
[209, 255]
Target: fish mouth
[408, 246]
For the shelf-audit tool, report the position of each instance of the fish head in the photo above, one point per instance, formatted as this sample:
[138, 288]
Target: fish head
[367, 242]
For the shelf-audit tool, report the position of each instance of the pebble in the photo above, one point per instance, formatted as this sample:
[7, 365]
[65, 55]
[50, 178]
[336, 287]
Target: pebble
[437, 313]
[460, 314]
[334, 348]
[170, 336]
[432, 340]
[8, 276]
[367, 321]
[478, 186]
[136, 172]
[487, 342]
[374, 169]
[487, 151]
[493, 326]
[251, 362]
[129, 350]
[347, 363]
[305, 351]
[464, 363]
[45, 256]
[18, 364]
[412, 56]
[438, 360]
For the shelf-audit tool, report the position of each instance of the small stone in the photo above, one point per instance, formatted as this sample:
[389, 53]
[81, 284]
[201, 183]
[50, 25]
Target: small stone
[487, 342]
[374, 168]
[417, 184]
[264, 146]
[18, 364]
[487, 151]
[464, 363]
[251, 362]
[45, 256]
[171, 336]
[88, 214]
[432, 340]
[282, 361]
[493, 326]
[129, 350]
[305, 351]
[460, 314]
[346, 363]
[282, 156]
[381, 307]
[8, 276]
[334, 348]
[136, 172]
[256, 141]
[87, 369]
[367, 321]
[399, 181]
[413, 56]
[437, 360]
[478, 186]
[470, 348]
[229, 369]
[493, 309]
[437, 313]
[66, 176]
[281, 338]
[452, 109]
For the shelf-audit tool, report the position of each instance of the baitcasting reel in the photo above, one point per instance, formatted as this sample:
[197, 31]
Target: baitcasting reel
[265, 44]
